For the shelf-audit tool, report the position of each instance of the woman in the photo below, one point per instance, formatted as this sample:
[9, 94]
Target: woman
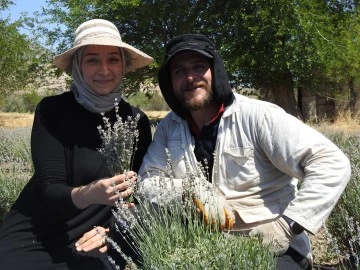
[61, 216]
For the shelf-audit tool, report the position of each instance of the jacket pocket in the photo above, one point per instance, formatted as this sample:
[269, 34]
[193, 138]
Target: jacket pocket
[240, 155]
[238, 168]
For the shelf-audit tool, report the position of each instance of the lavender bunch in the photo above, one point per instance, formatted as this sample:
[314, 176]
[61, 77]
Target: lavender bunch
[119, 141]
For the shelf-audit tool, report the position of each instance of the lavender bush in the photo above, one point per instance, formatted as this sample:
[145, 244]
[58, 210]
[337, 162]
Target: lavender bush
[175, 236]
[344, 223]
[16, 166]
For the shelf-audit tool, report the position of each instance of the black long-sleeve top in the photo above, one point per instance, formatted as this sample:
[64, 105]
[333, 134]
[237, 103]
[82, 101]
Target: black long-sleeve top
[43, 225]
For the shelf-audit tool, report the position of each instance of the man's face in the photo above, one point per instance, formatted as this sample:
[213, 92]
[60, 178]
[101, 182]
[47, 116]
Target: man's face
[192, 80]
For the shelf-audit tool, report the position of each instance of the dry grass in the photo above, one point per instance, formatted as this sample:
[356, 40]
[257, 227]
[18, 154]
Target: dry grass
[343, 123]
[156, 114]
[12, 120]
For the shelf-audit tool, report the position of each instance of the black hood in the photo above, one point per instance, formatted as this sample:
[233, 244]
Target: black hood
[201, 44]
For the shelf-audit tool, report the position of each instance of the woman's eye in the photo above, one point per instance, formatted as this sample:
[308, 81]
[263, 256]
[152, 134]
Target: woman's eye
[114, 60]
[91, 60]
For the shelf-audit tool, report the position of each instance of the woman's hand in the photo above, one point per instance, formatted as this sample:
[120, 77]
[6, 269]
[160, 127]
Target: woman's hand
[96, 238]
[104, 191]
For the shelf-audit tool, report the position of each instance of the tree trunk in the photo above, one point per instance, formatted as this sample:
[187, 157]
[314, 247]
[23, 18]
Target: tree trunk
[283, 95]
[354, 98]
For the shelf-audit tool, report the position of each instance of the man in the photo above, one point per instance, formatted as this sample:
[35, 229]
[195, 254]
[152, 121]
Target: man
[255, 154]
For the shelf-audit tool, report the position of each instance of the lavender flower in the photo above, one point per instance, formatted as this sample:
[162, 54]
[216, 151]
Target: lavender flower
[119, 141]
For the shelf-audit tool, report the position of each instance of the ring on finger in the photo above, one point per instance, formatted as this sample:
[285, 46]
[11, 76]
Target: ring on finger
[127, 184]
[126, 193]
[113, 183]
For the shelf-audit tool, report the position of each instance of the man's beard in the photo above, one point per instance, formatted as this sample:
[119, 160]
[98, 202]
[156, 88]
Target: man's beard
[194, 104]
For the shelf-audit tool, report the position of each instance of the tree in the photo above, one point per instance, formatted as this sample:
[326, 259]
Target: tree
[143, 24]
[264, 46]
[4, 4]
[21, 60]
[269, 45]
[344, 68]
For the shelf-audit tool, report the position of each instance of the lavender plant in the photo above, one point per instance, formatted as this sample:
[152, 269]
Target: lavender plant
[175, 236]
[343, 225]
[16, 165]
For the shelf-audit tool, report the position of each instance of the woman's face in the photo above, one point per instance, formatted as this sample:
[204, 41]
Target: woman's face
[102, 68]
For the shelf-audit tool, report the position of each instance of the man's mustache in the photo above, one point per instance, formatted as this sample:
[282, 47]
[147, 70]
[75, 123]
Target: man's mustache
[194, 86]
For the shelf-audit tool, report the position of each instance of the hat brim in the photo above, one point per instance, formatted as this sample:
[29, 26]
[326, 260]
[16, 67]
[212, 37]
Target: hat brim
[138, 59]
[189, 49]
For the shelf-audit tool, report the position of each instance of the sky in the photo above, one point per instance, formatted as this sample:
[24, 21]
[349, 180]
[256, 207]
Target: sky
[29, 6]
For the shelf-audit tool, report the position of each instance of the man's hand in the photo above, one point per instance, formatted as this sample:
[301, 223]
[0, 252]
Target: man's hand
[276, 233]
[212, 205]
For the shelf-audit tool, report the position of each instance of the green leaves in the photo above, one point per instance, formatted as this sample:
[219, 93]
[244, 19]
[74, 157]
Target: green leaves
[22, 60]
[268, 45]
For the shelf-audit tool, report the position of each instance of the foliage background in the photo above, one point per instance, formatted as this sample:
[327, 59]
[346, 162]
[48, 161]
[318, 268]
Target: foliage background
[273, 46]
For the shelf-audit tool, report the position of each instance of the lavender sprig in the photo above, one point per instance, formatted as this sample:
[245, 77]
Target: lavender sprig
[119, 141]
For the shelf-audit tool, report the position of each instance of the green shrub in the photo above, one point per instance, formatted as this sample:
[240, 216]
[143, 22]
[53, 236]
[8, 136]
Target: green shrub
[344, 222]
[15, 165]
[12, 103]
[177, 238]
[10, 188]
[30, 100]
[22, 102]
[15, 144]
[148, 102]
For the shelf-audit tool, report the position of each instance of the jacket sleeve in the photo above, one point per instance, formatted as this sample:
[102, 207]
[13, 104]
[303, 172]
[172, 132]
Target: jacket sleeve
[300, 151]
[157, 183]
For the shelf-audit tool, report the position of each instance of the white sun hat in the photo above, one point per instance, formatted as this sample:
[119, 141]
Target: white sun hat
[102, 32]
